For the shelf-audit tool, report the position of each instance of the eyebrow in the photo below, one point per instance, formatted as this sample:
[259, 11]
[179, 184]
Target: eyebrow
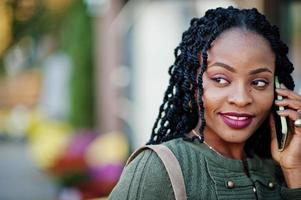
[231, 69]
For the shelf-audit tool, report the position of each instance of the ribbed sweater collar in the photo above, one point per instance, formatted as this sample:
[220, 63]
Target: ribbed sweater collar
[234, 165]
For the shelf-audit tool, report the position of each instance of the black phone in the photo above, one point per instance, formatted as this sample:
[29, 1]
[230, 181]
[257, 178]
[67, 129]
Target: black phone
[280, 121]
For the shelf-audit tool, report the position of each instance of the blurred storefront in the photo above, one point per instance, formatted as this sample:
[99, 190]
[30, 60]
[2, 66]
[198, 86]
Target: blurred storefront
[81, 82]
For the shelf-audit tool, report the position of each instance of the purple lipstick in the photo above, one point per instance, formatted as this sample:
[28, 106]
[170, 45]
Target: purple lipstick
[237, 120]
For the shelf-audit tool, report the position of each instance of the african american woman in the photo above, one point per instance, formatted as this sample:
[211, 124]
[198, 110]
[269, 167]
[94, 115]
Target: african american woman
[217, 116]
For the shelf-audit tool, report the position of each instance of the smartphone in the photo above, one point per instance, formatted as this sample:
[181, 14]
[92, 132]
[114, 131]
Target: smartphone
[280, 121]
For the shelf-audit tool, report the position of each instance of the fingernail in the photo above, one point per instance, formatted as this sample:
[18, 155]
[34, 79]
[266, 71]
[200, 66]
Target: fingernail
[283, 86]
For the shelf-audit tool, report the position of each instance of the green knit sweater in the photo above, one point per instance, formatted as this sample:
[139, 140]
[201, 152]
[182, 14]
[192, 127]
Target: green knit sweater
[207, 175]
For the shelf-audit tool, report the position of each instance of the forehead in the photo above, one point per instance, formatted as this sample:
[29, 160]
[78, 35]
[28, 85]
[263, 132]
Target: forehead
[241, 47]
[238, 36]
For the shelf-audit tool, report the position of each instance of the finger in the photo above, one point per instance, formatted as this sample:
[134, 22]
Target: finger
[291, 103]
[283, 86]
[288, 93]
[291, 114]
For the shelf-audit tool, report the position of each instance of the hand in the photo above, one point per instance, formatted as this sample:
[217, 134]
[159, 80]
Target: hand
[290, 158]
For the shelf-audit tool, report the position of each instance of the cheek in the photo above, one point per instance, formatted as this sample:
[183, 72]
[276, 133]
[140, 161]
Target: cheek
[208, 90]
[213, 99]
[265, 101]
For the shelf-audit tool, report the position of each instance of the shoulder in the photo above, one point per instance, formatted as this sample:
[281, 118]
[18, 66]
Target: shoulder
[192, 157]
[143, 178]
[146, 161]
[149, 159]
[186, 151]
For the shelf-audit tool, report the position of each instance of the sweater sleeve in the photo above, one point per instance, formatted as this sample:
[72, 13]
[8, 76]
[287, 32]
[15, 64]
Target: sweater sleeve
[285, 192]
[144, 178]
[291, 194]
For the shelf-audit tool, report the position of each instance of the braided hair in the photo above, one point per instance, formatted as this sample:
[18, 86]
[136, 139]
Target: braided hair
[180, 110]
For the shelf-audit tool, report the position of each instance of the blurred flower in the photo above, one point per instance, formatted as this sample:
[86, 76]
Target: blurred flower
[90, 162]
[70, 167]
[107, 148]
[48, 140]
[105, 158]
[72, 160]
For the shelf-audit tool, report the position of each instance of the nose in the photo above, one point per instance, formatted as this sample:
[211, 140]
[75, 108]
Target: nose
[240, 96]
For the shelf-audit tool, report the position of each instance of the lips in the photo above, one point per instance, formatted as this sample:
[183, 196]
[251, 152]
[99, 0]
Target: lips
[237, 120]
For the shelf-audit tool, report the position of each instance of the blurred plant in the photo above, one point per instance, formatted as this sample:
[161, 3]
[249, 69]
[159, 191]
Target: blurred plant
[105, 158]
[30, 32]
[77, 42]
[48, 139]
[68, 24]
[70, 168]
[37, 17]
[57, 6]
[26, 19]
[5, 26]
[90, 163]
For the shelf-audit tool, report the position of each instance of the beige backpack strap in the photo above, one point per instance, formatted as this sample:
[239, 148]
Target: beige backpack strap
[172, 167]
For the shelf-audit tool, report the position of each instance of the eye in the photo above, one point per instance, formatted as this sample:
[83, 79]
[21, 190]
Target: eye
[260, 83]
[221, 81]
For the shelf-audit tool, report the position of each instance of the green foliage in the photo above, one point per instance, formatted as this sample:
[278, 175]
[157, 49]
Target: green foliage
[73, 30]
[77, 42]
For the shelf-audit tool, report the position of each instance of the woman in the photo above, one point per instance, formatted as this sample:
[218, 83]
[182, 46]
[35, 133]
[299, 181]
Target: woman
[217, 115]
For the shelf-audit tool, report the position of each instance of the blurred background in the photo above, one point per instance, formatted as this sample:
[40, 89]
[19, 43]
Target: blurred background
[81, 82]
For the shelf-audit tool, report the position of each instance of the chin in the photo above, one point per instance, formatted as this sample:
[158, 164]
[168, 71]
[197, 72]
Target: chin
[236, 137]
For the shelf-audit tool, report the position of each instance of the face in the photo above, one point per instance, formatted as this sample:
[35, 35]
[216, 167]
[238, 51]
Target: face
[238, 85]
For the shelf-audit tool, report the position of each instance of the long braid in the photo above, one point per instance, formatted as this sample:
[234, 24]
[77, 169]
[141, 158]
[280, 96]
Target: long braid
[181, 111]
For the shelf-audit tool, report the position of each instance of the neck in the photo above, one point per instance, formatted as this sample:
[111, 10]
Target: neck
[227, 149]
[230, 150]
